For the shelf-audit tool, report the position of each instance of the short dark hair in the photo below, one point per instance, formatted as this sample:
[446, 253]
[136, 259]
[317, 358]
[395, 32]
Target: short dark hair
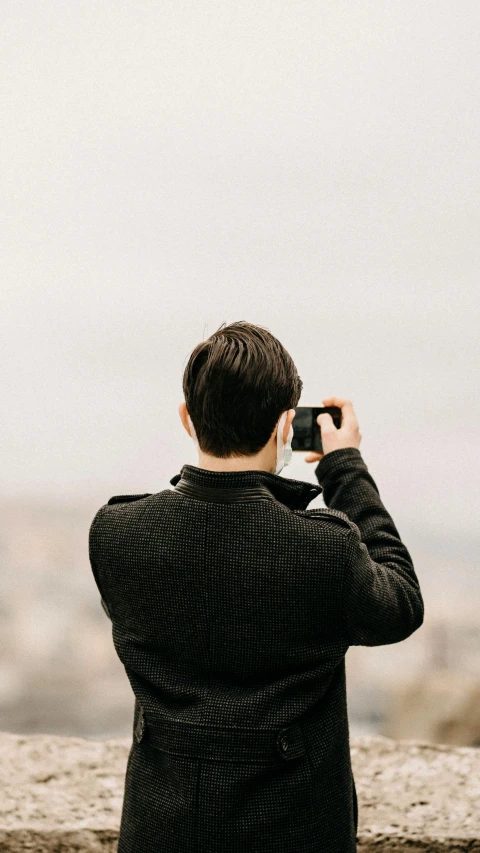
[236, 385]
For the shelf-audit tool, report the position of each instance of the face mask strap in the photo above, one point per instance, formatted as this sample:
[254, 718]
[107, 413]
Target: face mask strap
[282, 449]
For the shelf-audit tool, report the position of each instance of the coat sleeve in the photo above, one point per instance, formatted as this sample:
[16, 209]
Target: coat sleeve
[382, 598]
[92, 553]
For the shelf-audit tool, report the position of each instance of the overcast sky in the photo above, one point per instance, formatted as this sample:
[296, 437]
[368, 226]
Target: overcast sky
[311, 167]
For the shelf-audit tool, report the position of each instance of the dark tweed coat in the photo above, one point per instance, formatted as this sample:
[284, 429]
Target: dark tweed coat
[232, 609]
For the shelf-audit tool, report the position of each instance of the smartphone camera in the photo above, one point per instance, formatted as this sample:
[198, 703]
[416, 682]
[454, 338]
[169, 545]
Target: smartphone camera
[306, 431]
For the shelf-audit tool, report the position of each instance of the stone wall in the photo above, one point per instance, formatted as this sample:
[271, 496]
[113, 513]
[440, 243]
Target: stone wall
[61, 794]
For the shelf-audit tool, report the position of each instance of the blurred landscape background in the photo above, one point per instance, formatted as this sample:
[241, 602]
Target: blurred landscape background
[166, 168]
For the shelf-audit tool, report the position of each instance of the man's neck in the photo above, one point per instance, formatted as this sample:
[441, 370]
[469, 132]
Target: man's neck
[258, 462]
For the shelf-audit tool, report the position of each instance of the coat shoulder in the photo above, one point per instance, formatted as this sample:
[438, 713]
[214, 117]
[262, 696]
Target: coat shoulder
[120, 499]
[102, 513]
[334, 517]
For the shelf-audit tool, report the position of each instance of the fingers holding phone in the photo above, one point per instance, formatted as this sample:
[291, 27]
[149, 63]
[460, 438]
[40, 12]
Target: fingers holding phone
[333, 438]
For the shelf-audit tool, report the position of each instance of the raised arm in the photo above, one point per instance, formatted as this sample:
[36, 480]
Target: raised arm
[382, 598]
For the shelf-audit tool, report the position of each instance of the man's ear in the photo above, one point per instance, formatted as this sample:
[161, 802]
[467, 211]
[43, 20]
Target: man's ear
[288, 420]
[183, 412]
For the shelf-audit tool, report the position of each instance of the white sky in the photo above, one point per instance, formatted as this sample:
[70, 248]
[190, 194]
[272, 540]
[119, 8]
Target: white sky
[311, 167]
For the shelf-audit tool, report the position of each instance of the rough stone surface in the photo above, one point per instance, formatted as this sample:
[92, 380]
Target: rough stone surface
[65, 794]
[416, 796]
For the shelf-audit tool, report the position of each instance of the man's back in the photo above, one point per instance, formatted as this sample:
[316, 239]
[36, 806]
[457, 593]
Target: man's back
[232, 609]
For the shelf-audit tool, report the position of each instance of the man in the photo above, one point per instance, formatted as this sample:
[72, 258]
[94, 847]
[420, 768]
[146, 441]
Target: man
[232, 608]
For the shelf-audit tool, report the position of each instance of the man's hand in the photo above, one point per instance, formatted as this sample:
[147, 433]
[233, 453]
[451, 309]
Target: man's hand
[348, 435]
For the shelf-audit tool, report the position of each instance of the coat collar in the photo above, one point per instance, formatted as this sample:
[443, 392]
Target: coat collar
[295, 494]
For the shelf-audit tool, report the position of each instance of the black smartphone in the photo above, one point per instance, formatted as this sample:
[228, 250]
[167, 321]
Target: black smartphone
[306, 431]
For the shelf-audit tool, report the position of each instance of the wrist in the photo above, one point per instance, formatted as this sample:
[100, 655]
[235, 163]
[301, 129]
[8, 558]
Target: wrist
[341, 459]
